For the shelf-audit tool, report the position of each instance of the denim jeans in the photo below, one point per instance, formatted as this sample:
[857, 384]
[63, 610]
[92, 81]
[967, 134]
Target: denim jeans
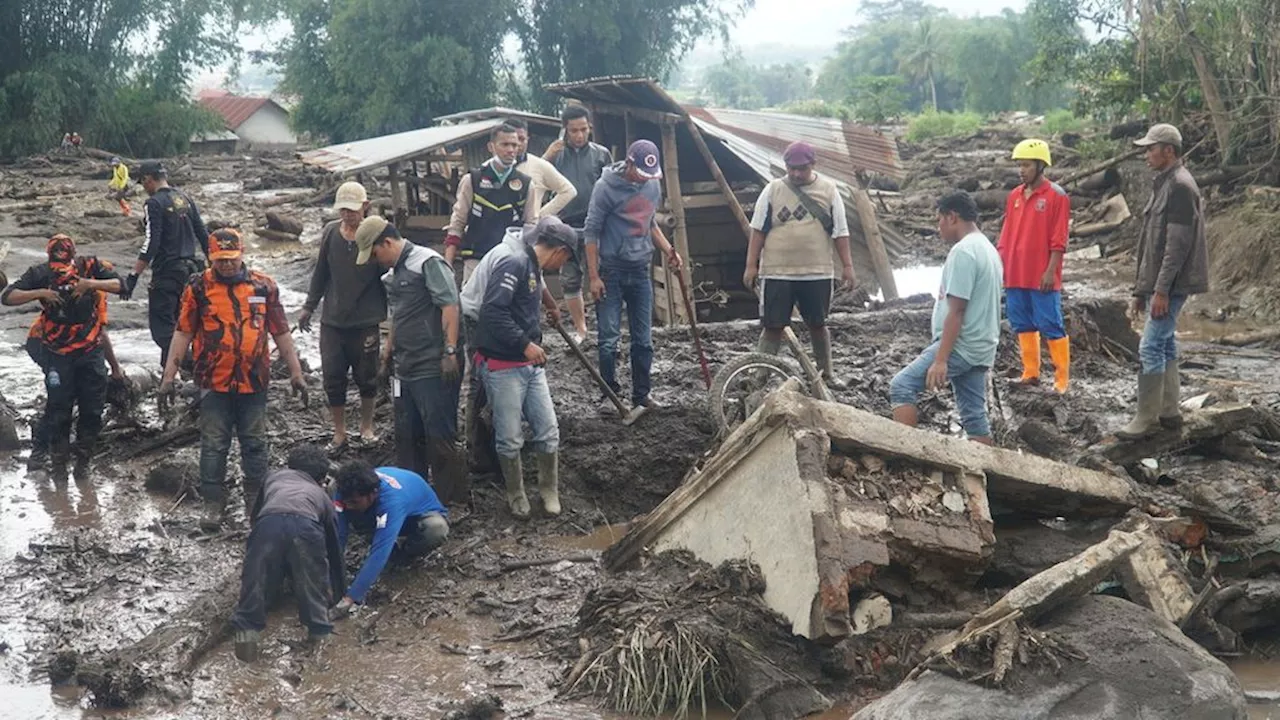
[426, 412]
[969, 382]
[521, 393]
[1159, 345]
[635, 288]
[221, 414]
[81, 381]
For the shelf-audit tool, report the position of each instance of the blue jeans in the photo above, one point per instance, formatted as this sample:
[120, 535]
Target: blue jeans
[968, 382]
[1035, 311]
[1159, 345]
[634, 288]
[521, 393]
[221, 414]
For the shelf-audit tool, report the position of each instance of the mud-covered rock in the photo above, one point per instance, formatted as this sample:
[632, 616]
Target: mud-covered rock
[8, 430]
[1137, 666]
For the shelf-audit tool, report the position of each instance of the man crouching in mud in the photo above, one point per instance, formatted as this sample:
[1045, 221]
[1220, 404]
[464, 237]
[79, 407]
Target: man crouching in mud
[399, 507]
[295, 532]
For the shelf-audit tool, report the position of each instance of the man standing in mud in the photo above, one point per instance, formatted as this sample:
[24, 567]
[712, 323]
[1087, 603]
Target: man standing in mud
[966, 324]
[72, 326]
[227, 314]
[423, 301]
[355, 304]
[174, 233]
[295, 532]
[401, 511]
[1033, 240]
[1173, 264]
[582, 162]
[620, 236]
[798, 221]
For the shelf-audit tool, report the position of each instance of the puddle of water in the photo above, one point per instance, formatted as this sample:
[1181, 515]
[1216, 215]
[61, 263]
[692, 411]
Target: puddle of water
[1260, 679]
[916, 280]
[222, 188]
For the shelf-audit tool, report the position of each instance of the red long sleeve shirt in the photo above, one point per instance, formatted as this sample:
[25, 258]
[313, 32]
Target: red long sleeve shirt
[1033, 228]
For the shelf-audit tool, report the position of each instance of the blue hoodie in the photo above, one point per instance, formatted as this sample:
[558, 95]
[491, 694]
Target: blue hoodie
[620, 219]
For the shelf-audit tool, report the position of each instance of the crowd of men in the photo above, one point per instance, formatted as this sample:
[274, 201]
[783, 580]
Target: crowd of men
[517, 217]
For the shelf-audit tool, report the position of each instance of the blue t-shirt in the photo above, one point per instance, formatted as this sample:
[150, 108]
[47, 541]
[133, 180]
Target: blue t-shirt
[404, 494]
[973, 272]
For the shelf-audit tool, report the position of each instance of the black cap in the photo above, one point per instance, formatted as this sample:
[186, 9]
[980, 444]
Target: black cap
[152, 168]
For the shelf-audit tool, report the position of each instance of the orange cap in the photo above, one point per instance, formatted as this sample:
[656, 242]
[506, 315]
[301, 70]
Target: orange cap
[225, 244]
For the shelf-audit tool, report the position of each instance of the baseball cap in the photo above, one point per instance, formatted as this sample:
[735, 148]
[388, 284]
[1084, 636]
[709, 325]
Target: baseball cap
[643, 154]
[225, 244]
[798, 154]
[372, 229]
[552, 231]
[61, 249]
[1161, 133]
[350, 196]
[152, 168]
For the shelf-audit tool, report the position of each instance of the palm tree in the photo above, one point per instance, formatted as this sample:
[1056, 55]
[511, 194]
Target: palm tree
[921, 59]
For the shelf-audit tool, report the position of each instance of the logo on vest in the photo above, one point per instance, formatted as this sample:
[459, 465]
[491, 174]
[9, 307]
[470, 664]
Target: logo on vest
[1041, 205]
[533, 282]
[516, 184]
[486, 183]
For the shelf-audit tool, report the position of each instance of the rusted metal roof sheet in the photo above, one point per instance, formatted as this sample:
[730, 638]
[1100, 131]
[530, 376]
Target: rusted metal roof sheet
[638, 92]
[382, 151]
[843, 148]
[496, 112]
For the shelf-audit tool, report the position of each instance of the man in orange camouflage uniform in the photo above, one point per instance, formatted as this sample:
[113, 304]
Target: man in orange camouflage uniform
[71, 325]
[229, 311]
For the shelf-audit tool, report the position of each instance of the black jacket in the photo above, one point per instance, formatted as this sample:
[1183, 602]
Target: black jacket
[174, 229]
[510, 316]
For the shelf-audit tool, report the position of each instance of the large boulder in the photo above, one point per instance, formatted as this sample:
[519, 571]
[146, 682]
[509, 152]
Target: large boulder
[1139, 666]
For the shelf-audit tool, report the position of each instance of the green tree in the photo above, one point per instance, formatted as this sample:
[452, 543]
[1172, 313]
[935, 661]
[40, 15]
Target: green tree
[921, 59]
[879, 99]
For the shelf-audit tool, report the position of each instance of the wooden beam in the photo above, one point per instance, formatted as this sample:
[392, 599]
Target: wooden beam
[875, 243]
[653, 116]
[709, 200]
[629, 128]
[671, 175]
[396, 204]
[710, 160]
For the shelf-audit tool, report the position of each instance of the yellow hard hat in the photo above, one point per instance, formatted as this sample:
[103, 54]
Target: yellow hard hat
[1033, 149]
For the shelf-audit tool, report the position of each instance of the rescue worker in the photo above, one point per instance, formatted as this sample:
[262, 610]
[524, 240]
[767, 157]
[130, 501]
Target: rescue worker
[355, 304]
[423, 301]
[119, 185]
[620, 236]
[295, 533]
[798, 221]
[510, 361]
[966, 324]
[582, 162]
[175, 233]
[1032, 242]
[69, 288]
[1173, 264]
[546, 178]
[491, 198]
[400, 510]
[227, 314]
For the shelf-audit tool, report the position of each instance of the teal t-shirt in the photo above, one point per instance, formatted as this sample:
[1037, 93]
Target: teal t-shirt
[972, 272]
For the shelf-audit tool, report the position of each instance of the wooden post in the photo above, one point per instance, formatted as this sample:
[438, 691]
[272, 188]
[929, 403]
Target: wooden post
[630, 128]
[875, 243]
[393, 172]
[710, 160]
[671, 174]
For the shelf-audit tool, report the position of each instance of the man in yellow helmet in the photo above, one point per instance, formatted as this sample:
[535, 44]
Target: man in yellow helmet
[1033, 240]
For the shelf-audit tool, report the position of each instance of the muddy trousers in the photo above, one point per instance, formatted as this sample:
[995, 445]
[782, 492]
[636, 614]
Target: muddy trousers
[221, 414]
[426, 425]
[71, 381]
[163, 298]
[281, 545]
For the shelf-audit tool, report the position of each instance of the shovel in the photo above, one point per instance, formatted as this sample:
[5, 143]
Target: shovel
[628, 418]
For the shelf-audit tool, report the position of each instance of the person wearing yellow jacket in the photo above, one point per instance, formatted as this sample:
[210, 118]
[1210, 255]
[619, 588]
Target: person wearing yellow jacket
[119, 185]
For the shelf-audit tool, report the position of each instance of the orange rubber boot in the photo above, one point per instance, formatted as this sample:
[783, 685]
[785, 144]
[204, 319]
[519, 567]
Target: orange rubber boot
[125, 209]
[1060, 353]
[1030, 345]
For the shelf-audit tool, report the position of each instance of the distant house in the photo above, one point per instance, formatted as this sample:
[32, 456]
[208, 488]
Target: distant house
[255, 122]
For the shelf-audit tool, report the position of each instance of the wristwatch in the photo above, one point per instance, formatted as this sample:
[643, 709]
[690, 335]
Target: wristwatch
[450, 350]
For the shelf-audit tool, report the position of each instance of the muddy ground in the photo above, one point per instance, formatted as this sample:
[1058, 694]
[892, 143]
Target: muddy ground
[493, 618]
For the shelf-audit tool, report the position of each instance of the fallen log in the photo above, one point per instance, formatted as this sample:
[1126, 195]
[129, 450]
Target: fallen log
[301, 198]
[1095, 169]
[1199, 427]
[275, 235]
[284, 223]
[1248, 338]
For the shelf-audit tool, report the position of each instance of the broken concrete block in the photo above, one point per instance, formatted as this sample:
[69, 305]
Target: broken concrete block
[1153, 577]
[872, 613]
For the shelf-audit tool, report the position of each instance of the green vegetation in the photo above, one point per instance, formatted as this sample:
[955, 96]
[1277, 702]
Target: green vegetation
[930, 124]
[1060, 121]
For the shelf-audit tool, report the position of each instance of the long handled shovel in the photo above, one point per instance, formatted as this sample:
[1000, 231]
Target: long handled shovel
[628, 418]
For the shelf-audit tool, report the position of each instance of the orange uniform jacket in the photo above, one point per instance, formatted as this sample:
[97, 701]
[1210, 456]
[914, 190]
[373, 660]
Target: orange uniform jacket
[230, 322]
[74, 326]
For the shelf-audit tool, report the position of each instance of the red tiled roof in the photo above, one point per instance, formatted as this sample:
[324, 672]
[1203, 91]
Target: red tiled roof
[234, 109]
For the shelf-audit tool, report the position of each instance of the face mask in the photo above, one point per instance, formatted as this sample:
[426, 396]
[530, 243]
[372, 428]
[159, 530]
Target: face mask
[503, 173]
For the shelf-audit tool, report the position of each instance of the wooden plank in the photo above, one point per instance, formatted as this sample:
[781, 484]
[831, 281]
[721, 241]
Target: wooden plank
[426, 222]
[710, 160]
[717, 199]
[629, 128]
[671, 176]
[875, 244]
[653, 116]
[397, 204]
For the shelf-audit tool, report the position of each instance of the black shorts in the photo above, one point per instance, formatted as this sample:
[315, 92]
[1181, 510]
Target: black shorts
[778, 297]
[354, 349]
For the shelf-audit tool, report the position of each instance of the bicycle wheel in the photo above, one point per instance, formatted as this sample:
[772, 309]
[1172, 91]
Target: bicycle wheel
[741, 387]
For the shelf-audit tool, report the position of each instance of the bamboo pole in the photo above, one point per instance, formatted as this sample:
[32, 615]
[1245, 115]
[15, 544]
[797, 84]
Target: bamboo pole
[875, 243]
[710, 160]
[675, 200]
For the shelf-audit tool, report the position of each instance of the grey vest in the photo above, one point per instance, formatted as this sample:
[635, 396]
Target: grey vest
[419, 332]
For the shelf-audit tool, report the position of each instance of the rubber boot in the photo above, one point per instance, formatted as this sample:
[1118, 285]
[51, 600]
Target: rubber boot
[1145, 422]
[822, 354]
[59, 458]
[767, 345]
[549, 482]
[81, 469]
[247, 645]
[1170, 413]
[38, 465]
[215, 507]
[513, 473]
[1060, 353]
[1029, 343]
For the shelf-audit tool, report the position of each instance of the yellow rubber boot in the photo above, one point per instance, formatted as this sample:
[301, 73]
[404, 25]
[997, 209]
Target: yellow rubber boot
[1060, 354]
[1030, 345]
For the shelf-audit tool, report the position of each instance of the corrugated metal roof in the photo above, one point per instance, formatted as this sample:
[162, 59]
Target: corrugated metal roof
[843, 148]
[495, 112]
[640, 92]
[381, 151]
[235, 109]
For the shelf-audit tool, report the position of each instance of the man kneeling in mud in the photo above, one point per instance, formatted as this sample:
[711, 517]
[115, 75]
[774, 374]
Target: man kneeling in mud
[295, 532]
[400, 509]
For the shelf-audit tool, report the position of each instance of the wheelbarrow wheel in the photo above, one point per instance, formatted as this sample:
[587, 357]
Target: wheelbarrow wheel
[740, 387]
